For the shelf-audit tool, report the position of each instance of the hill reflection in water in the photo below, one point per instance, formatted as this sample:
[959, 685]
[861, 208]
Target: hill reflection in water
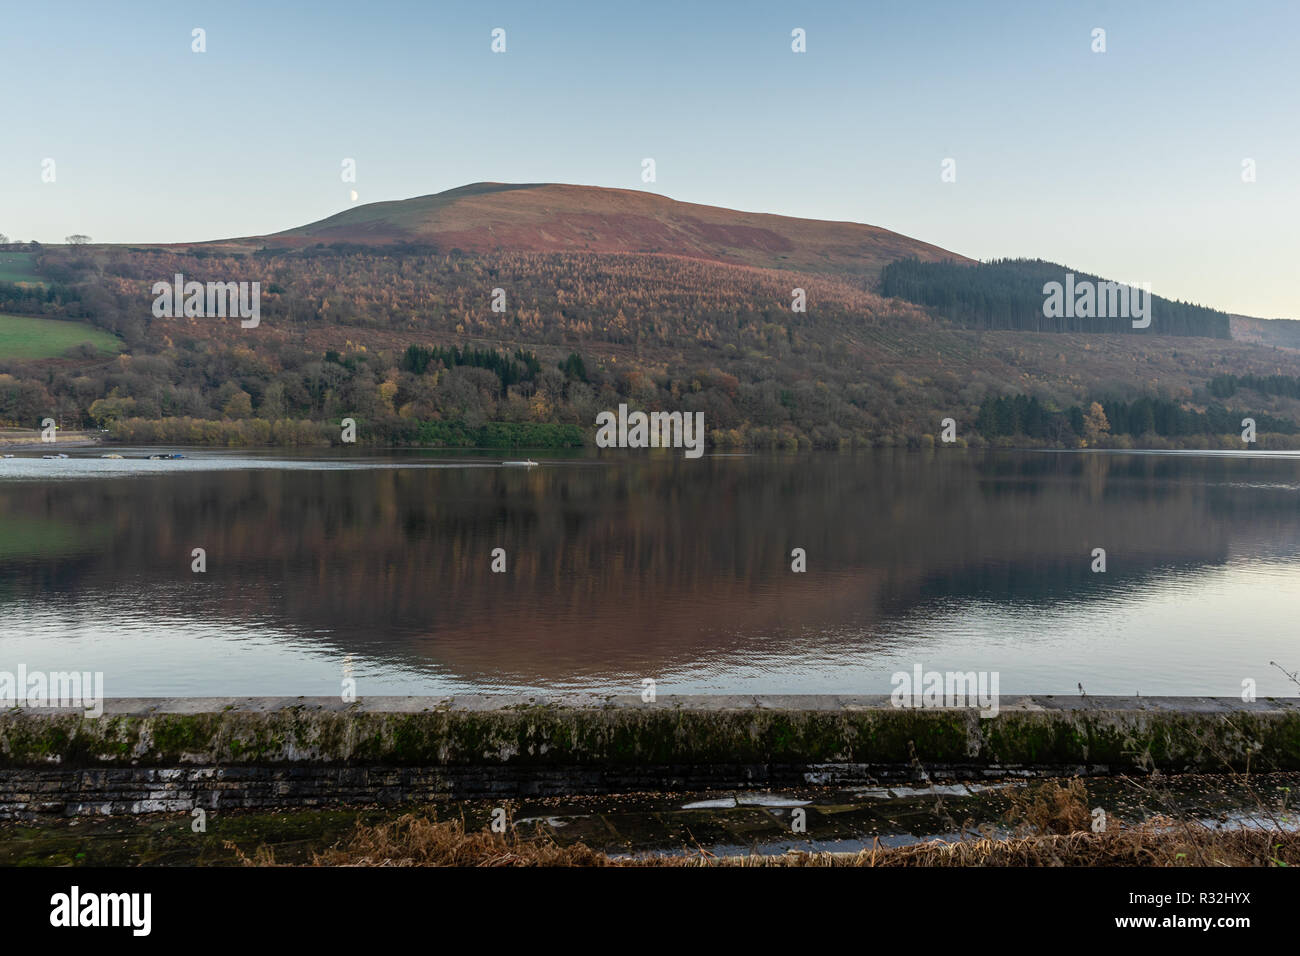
[626, 567]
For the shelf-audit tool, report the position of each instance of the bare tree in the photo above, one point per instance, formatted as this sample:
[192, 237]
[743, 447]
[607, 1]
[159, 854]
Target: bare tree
[77, 240]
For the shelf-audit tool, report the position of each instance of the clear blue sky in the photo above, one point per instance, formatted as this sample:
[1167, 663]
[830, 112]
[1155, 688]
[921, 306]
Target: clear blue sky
[1125, 163]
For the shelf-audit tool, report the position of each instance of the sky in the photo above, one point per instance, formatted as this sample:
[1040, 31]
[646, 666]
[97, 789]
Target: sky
[1126, 163]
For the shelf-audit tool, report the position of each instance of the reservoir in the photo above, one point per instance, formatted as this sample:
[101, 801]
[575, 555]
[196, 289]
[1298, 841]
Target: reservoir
[625, 566]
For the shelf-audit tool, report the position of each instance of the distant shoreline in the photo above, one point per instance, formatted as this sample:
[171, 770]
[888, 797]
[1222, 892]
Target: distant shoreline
[27, 438]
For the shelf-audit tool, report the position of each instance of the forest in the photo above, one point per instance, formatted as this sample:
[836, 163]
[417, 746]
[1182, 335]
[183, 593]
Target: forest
[1026, 416]
[404, 340]
[1225, 386]
[1008, 294]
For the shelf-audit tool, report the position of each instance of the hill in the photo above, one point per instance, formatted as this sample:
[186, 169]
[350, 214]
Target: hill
[388, 314]
[1283, 333]
[551, 217]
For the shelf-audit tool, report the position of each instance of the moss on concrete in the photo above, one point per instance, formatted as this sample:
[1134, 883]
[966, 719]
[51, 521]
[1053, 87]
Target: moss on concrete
[672, 734]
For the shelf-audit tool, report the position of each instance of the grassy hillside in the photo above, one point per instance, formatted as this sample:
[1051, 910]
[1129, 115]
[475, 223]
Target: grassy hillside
[18, 267]
[550, 217]
[1284, 333]
[28, 337]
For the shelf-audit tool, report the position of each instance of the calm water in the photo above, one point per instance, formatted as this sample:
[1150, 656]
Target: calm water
[622, 568]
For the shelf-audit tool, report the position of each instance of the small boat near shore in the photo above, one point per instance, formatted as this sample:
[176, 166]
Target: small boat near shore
[527, 463]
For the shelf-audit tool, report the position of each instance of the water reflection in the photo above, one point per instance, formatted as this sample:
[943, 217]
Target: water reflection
[621, 568]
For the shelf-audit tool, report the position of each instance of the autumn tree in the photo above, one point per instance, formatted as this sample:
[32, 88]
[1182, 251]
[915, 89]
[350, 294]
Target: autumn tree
[1095, 424]
[238, 406]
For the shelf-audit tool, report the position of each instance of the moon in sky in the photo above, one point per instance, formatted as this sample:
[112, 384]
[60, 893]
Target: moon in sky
[354, 195]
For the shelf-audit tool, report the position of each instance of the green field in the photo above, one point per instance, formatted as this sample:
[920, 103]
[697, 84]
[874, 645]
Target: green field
[18, 267]
[25, 337]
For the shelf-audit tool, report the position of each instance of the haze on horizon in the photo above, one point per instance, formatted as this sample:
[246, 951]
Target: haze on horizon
[1126, 163]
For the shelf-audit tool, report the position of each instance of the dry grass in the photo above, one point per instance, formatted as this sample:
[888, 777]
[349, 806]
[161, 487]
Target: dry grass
[1051, 808]
[415, 840]
[1053, 830]
[1156, 843]
[424, 841]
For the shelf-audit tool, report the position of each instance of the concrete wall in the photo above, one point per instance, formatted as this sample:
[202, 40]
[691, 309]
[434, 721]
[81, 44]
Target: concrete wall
[145, 755]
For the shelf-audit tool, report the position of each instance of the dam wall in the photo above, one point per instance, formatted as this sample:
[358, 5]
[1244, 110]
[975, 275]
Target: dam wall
[156, 755]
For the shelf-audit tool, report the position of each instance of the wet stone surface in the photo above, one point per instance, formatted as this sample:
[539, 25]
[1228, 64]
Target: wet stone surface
[720, 823]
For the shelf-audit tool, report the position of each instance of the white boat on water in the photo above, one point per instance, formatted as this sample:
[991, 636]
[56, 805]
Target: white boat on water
[528, 463]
